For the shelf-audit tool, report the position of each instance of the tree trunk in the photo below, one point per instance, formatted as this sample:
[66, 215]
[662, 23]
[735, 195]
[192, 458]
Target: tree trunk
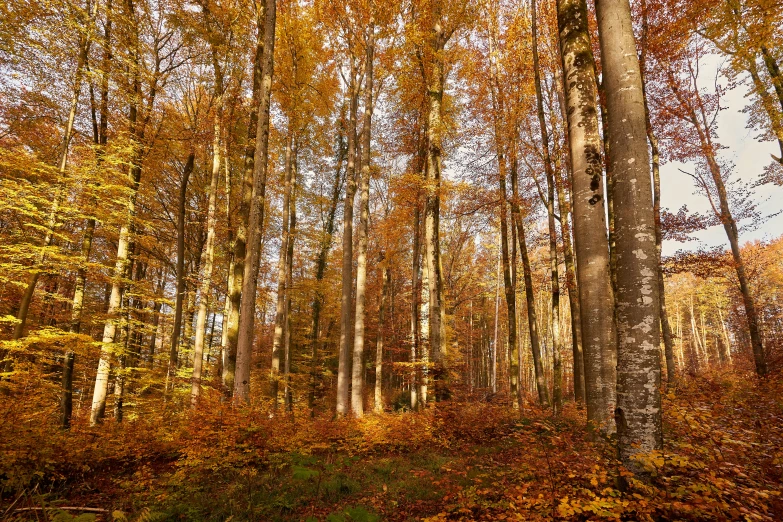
[557, 393]
[590, 241]
[432, 174]
[386, 283]
[729, 224]
[236, 282]
[181, 283]
[535, 344]
[209, 248]
[638, 412]
[320, 264]
[357, 384]
[281, 316]
[666, 331]
[287, 392]
[247, 309]
[508, 283]
[346, 325]
[415, 306]
[564, 204]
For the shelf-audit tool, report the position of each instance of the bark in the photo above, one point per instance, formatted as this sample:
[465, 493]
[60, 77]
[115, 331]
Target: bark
[590, 241]
[346, 325]
[357, 384]
[247, 309]
[638, 411]
[557, 393]
[181, 283]
[208, 254]
[243, 215]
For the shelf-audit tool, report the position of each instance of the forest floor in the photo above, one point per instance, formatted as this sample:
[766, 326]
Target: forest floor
[723, 460]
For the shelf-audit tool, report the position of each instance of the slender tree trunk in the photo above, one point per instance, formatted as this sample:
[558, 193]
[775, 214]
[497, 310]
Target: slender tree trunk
[181, 283]
[247, 309]
[115, 299]
[287, 398]
[346, 325]
[493, 371]
[320, 264]
[638, 412]
[564, 204]
[557, 394]
[386, 283]
[435, 85]
[415, 306]
[281, 322]
[508, 283]
[535, 343]
[209, 248]
[729, 224]
[590, 241]
[357, 384]
[573, 293]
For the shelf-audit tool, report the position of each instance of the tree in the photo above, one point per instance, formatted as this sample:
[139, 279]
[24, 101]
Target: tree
[638, 412]
[590, 241]
[247, 311]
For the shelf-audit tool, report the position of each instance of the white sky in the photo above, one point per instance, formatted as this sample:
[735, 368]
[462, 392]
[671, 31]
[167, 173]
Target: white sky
[749, 157]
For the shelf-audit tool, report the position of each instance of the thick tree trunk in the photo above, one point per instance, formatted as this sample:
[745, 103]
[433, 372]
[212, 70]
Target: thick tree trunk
[590, 241]
[247, 309]
[638, 411]
[236, 281]
[357, 383]
[346, 325]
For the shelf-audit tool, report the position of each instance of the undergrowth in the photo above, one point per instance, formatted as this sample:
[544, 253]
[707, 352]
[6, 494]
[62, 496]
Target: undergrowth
[723, 460]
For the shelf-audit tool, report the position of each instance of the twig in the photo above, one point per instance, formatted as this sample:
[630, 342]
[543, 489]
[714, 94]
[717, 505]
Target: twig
[65, 508]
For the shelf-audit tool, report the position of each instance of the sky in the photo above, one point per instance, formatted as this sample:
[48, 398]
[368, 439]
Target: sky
[749, 157]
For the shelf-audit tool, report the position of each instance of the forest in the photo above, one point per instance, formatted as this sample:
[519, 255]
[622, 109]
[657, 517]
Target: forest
[363, 260]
